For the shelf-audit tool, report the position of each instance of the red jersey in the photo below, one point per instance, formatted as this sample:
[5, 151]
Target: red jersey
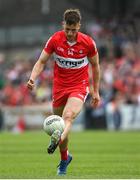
[71, 59]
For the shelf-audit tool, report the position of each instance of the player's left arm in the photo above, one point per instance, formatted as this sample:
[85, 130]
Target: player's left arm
[94, 61]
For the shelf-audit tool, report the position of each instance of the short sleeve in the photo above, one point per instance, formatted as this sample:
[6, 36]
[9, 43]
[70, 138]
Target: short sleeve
[92, 48]
[49, 47]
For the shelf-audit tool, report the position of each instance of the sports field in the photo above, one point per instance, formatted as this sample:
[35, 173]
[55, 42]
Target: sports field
[96, 154]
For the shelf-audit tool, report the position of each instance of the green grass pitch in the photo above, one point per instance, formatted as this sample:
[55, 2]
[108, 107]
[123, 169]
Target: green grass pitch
[96, 154]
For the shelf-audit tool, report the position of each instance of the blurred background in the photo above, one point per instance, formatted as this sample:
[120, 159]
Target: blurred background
[26, 25]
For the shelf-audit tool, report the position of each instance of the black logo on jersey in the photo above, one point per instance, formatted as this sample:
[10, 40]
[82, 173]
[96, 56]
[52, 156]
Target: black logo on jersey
[66, 63]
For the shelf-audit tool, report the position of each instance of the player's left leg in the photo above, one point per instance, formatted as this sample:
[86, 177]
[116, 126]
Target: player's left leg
[71, 110]
[63, 146]
[65, 156]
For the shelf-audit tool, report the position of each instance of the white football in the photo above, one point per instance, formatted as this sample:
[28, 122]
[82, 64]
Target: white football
[52, 123]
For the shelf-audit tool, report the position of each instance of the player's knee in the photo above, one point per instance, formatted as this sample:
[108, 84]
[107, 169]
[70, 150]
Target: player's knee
[69, 116]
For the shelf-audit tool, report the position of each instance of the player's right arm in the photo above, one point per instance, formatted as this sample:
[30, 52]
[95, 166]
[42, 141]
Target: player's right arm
[37, 69]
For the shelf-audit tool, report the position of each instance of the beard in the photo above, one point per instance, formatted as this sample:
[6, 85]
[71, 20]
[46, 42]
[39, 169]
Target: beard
[70, 38]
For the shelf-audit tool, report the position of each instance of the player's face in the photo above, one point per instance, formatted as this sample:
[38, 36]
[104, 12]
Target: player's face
[71, 31]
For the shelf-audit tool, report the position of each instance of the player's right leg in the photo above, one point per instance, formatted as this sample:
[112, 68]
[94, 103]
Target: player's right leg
[59, 101]
[70, 111]
[56, 136]
[63, 145]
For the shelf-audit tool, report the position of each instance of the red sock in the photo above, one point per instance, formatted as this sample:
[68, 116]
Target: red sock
[64, 154]
[60, 142]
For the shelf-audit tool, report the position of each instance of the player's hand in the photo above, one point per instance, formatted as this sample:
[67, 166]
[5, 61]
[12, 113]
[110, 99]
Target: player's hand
[95, 101]
[30, 84]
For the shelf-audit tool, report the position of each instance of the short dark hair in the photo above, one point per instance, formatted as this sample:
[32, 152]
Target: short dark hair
[72, 16]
